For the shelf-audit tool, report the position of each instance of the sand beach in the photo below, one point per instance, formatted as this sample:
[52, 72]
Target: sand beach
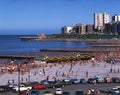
[38, 71]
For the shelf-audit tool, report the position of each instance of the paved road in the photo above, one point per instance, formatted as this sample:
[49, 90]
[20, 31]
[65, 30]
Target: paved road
[73, 88]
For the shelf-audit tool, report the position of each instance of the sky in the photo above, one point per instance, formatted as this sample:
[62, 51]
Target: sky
[48, 16]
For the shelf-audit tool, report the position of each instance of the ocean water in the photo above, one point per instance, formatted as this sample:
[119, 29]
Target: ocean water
[12, 44]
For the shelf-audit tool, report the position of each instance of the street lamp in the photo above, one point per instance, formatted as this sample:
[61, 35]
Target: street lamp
[18, 79]
[28, 71]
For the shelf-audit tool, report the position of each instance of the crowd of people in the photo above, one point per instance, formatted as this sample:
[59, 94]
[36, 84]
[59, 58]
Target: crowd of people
[103, 63]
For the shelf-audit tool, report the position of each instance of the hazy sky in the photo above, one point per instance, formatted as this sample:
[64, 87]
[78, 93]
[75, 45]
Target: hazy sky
[35, 16]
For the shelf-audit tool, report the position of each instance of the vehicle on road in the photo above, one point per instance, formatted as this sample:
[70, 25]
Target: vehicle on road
[23, 93]
[79, 92]
[58, 91]
[22, 87]
[66, 81]
[47, 92]
[118, 87]
[82, 80]
[40, 86]
[99, 79]
[34, 92]
[57, 84]
[74, 81]
[108, 80]
[113, 90]
[66, 93]
[4, 88]
[115, 79]
[91, 80]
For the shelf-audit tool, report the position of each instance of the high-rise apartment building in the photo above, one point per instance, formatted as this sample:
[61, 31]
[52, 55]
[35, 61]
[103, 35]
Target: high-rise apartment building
[115, 28]
[116, 18]
[79, 29]
[66, 30]
[108, 28]
[89, 28]
[100, 19]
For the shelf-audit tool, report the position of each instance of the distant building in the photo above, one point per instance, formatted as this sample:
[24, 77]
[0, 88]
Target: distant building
[66, 30]
[79, 29]
[115, 28]
[41, 35]
[89, 28]
[116, 18]
[118, 27]
[108, 28]
[100, 19]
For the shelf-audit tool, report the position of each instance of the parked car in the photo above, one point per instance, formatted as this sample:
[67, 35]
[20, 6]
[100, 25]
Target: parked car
[66, 81]
[23, 93]
[108, 79]
[22, 87]
[34, 92]
[99, 79]
[11, 86]
[33, 83]
[58, 91]
[47, 92]
[82, 80]
[115, 79]
[57, 84]
[44, 82]
[74, 81]
[40, 86]
[91, 80]
[4, 88]
[113, 90]
[118, 87]
[66, 93]
[51, 82]
[79, 92]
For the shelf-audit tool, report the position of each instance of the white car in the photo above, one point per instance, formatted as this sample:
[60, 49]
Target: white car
[22, 87]
[114, 90]
[58, 91]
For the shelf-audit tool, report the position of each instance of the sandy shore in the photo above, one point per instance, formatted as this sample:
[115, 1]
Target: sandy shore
[51, 71]
[68, 70]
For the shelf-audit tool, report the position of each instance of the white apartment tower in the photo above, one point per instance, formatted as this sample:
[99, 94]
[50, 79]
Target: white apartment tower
[100, 19]
[66, 30]
[116, 18]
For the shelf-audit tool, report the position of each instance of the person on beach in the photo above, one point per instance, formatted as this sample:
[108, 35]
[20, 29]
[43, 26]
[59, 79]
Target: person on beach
[118, 70]
[88, 91]
[111, 70]
[43, 71]
[12, 81]
[97, 91]
[86, 74]
[9, 82]
[92, 92]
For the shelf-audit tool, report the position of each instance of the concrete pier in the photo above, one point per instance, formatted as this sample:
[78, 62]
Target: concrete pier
[29, 38]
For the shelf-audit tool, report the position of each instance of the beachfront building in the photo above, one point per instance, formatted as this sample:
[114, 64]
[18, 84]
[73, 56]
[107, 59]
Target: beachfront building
[79, 29]
[116, 18]
[115, 27]
[100, 19]
[41, 35]
[89, 28]
[118, 27]
[112, 28]
[66, 30]
[108, 28]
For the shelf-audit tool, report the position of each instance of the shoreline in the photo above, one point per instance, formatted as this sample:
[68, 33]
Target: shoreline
[60, 70]
[69, 69]
[64, 39]
[64, 52]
